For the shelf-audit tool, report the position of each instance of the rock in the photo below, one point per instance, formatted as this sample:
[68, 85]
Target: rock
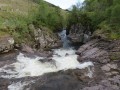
[47, 54]
[78, 33]
[44, 38]
[4, 84]
[8, 58]
[91, 52]
[76, 37]
[66, 54]
[6, 43]
[108, 84]
[105, 55]
[26, 48]
[105, 68]
[108, 67]
[112, 66]
[60, 82]
[86, 38]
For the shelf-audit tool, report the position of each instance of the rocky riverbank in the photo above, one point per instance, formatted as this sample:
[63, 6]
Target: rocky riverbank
[106, 70]
[106, 58]
[104, 75]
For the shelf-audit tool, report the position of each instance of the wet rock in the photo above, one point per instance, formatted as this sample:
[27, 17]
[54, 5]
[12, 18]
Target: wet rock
[4, 84]
[60, 82]
[66, 54]
[6, 43]
[25, 48]
[44, 53]
[8, 58]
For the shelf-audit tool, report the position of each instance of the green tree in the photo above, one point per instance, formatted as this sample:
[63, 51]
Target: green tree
[115, 14]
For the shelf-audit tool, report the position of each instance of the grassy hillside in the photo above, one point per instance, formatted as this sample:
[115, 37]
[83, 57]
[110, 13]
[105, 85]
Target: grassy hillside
[16, 15]
[16, 12]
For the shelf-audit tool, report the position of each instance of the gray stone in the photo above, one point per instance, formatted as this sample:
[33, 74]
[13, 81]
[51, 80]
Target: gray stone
[105, 68]
[26, 48]
[6, 43]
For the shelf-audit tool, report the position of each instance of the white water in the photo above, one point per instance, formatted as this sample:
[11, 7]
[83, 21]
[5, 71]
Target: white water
[63, 59]
[26, 66]
[17, 86]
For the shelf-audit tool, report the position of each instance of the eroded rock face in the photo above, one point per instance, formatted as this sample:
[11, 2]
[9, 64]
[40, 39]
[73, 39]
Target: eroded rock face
[44, 38]
[6, 43]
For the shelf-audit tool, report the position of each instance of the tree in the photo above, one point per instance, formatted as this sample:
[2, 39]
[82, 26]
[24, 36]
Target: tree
[115, 18]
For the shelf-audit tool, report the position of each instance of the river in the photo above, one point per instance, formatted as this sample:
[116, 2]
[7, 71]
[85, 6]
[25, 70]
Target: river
[63, 58]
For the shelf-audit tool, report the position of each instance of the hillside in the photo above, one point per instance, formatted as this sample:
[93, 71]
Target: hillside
[17, 15]
[30, 22]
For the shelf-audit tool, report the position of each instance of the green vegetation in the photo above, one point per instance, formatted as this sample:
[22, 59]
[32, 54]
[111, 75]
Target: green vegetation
[50, 16]
[16, 15]
[101, 15]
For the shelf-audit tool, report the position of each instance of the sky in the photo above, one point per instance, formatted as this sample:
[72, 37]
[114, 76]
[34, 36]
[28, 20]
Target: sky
[64, 4]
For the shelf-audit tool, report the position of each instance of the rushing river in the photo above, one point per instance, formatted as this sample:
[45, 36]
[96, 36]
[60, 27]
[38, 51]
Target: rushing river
[63, 59]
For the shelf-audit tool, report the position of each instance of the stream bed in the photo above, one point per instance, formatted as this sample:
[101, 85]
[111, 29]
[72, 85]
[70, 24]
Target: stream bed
[63, 59]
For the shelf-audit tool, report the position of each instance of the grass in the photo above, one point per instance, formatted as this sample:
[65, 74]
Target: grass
[3, 34]
[13, 12]
[110, 32]
[15, 16]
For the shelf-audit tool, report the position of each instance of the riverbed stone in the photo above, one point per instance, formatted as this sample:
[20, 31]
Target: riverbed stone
[6, 43]
[26, 48]
[105, 68]
[4, 84]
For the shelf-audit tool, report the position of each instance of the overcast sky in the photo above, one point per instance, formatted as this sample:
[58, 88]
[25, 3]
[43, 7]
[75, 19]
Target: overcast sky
[64, 4]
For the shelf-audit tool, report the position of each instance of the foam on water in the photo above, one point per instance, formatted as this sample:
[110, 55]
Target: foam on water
[25, 66]
[17, 86]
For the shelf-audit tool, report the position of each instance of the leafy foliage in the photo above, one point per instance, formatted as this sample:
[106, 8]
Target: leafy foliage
[101, 14]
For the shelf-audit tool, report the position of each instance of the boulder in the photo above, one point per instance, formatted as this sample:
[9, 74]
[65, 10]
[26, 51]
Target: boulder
[6, 43]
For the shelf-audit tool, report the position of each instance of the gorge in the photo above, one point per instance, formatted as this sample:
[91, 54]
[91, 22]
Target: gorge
[43, 47]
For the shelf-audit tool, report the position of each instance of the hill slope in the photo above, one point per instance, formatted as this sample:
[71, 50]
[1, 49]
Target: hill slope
[16, 17]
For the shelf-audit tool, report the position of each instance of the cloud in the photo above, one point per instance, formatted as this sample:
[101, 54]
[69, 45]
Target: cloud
[64, 4]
